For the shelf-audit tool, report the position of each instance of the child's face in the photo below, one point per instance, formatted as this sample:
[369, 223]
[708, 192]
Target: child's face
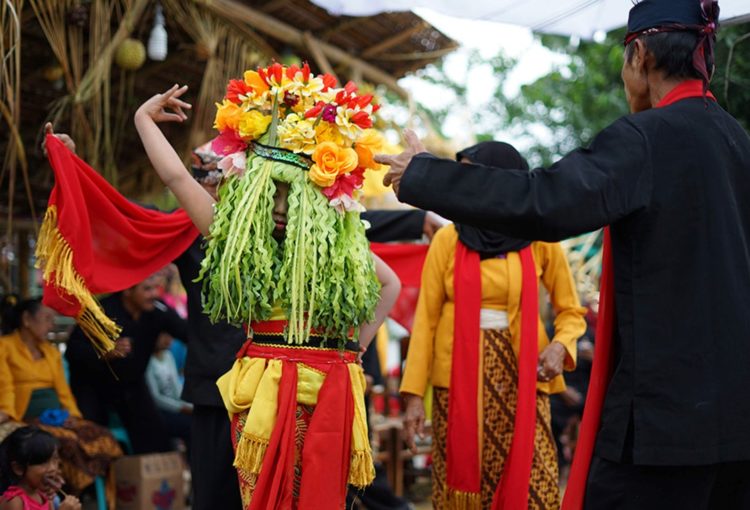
[35, 474]
[280, 208]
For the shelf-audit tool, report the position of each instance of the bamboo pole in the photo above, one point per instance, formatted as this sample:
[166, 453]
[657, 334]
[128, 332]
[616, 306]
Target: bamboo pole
[320, 58]
[231, 9]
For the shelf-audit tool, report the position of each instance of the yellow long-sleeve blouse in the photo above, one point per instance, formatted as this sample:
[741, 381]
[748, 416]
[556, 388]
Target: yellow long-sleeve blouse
[431, 344]
[20, 374]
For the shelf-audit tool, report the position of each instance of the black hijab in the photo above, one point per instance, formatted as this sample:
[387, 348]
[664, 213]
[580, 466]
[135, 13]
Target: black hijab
[498, 155]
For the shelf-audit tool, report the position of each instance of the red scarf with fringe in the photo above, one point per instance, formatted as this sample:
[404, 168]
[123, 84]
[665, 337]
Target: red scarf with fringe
[601, 370]
[93, 240]
[462, 448]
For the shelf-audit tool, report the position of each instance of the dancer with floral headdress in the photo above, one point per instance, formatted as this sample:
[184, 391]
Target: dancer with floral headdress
[287, 257]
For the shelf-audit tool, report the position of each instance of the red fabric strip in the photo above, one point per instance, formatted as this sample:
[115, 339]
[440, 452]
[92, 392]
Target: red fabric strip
[462, 441]
[116, 243]
[406, 260]
[297, 354]
[601, 370]
[600, 374]
[277, 327]
[273, 490]
[513, 490]
[327, 452]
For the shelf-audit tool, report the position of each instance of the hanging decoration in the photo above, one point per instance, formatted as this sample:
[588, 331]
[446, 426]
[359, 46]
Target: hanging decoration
[157, 41]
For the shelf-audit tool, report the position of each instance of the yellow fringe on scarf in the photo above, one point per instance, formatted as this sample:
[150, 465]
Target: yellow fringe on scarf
[459, 500]
[361, 469]
[250, 453]
[55, 256]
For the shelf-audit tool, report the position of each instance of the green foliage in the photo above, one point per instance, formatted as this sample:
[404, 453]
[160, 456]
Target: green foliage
[564, 109]
[574, 101]
[731, 82]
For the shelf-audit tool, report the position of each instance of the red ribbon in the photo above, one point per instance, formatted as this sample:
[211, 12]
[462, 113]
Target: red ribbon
[462, 448]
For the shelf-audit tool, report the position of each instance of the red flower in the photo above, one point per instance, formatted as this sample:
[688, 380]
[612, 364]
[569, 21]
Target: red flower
[306, 72]
[328, 82]
[345, 184]
[315, 110]
[362, 119]
[276, 72]
[291, 71]
[228, 142]
[237, 88]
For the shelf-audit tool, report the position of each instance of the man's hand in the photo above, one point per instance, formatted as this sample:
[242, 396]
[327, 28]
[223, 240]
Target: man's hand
[156, 107]
[413, 420]
[65, 139]
[123, 346]
[399, 162]
[551, 362]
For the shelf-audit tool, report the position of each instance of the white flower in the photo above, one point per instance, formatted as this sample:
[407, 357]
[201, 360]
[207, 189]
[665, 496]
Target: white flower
[233, 164]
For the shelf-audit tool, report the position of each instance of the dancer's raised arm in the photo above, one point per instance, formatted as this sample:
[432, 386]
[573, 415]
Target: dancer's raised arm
[192, 197]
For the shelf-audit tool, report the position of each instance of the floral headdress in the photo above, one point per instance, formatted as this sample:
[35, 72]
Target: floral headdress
[287, 124]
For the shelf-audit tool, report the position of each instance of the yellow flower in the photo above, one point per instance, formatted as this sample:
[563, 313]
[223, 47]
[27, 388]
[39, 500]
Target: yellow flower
[228, 116]
[297, 134]
[253, 125]
[330, 162]
[328, 132]
[369, 142]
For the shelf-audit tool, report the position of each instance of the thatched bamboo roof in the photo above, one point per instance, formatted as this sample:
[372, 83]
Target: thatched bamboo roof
[67, 74]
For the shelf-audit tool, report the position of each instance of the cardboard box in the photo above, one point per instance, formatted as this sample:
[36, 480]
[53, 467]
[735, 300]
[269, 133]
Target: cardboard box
[150, 482]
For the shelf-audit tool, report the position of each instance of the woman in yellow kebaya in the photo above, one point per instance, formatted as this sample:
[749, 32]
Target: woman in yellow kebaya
[465, 342]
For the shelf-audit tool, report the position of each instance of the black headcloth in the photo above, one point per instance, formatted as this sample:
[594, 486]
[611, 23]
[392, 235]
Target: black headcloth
[699, 16]
[496, 155]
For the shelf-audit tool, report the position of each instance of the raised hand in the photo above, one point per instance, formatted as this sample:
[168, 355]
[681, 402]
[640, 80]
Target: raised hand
[157, 108]
[65, 139]
[399, 162]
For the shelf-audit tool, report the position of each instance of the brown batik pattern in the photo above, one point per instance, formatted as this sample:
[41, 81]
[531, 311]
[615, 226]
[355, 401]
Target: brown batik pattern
[499, 396]
[248, 480]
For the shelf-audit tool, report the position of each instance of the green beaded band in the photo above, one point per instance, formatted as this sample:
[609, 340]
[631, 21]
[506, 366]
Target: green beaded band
[281, 155]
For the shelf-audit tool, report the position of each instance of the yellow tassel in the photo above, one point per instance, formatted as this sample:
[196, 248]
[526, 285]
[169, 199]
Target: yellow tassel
[250, 453]
[361, 469]
[459, 500]
[55, 256]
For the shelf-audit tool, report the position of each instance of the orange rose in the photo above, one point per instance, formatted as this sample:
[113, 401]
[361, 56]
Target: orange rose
[253, 79]
[228, 116]
[330, 162]
[369, 143]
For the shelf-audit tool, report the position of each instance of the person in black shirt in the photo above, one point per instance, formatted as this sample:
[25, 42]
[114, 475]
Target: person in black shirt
[117, 383]
[672, 181]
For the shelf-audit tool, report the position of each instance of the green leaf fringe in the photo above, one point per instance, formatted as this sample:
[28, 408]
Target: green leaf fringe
[322, 275]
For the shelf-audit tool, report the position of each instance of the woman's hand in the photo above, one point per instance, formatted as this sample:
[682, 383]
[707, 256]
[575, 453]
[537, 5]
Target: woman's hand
[413, 420]
[551, 362]
[65, 139]
[70, 503]
[157, 107]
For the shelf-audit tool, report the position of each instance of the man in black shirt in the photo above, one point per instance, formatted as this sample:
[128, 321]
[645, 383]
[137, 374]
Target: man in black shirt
[118, 382]
[672, 181]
